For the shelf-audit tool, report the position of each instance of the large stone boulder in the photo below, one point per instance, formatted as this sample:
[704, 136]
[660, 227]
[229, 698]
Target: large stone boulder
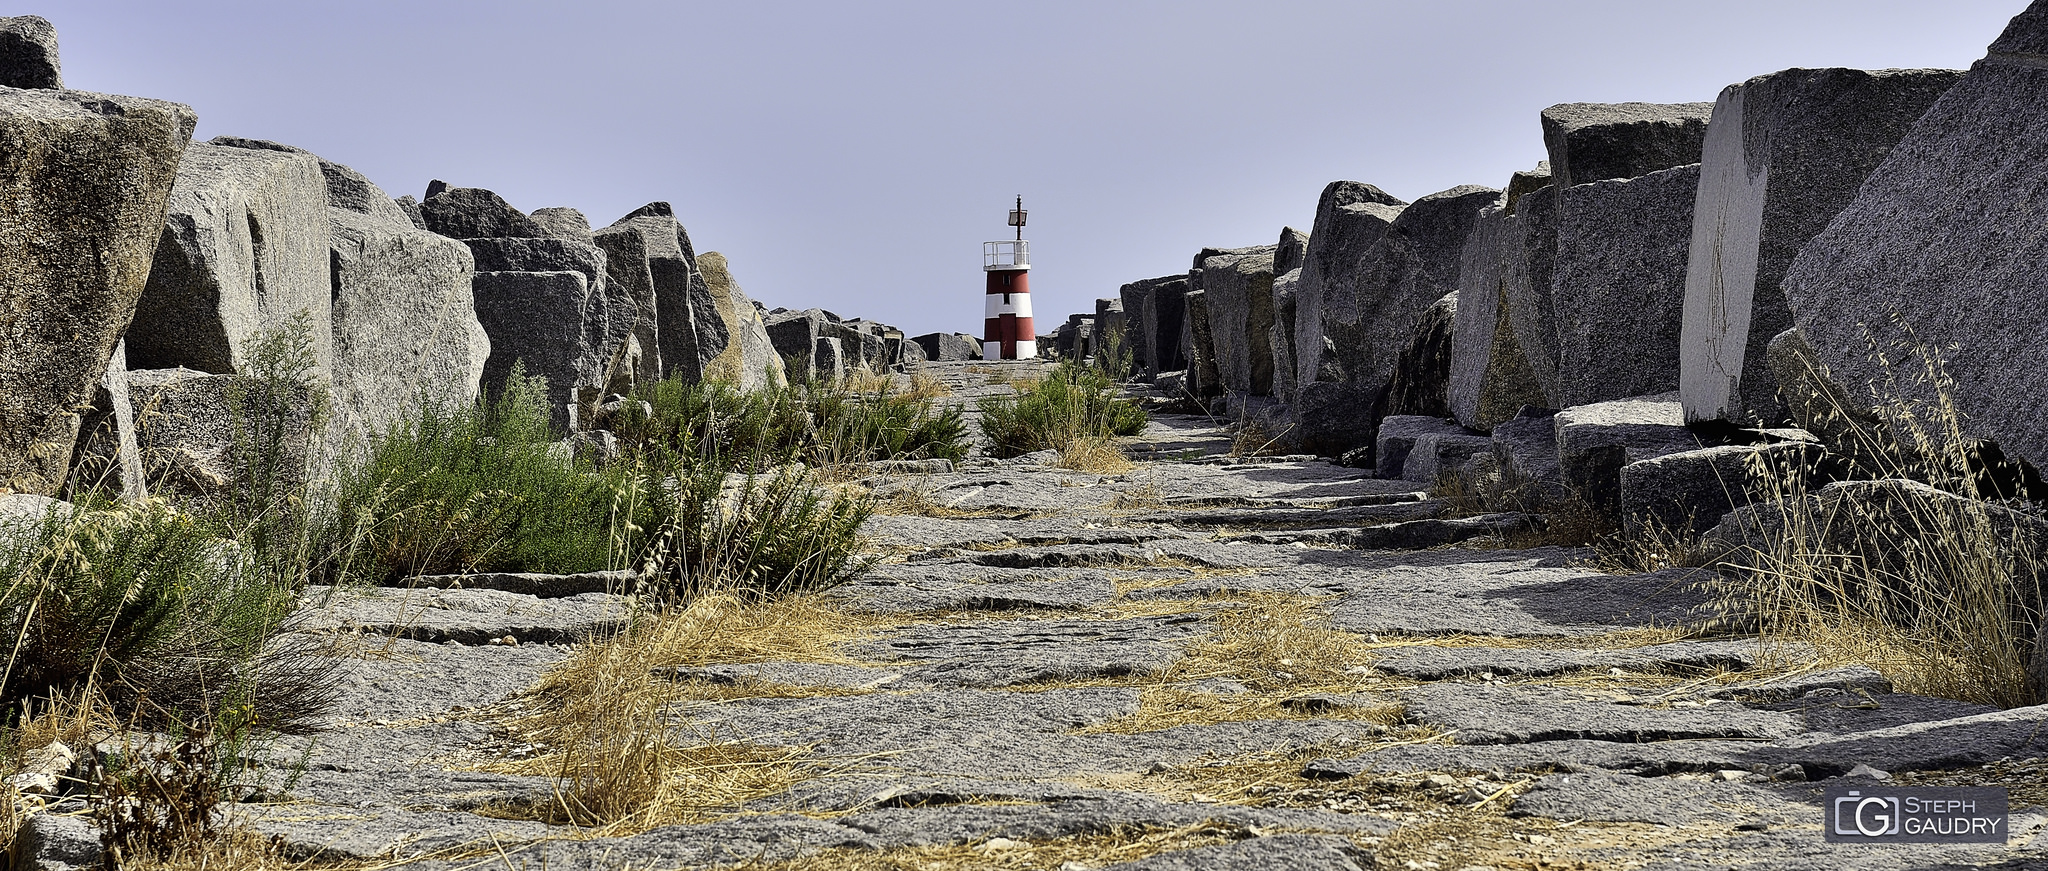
[1421, 381]
[1291, 252]
[1589, 142]
[947, 347]
[475, 213]
[1153, 308]
[1938, 251]
[1527, 295]
[1110, 333]
[1618, 285]
[1286, 308]
[1594, 443]
[542, 321]
[210, 438]
[243, 252]
[1690, 491]
[749, 360]
[346, 188]
[1784, 154]
[87, 182]
[1410, 268]
[561, 222]
[1398, 435]
[795, 335]
[28, 53]
[1238, 291]
[1198, 343]
[653, 258]
[1490, 376]
[1351, 217]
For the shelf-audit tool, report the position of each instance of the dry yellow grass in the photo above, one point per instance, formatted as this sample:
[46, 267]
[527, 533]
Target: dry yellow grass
[1092, 454]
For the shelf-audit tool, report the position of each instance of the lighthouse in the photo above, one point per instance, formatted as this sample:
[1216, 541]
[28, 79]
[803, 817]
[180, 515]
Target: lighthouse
[1007, 301]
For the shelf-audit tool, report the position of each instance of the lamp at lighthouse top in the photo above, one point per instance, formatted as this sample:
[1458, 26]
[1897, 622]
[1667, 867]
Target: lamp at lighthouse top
[1008, 254]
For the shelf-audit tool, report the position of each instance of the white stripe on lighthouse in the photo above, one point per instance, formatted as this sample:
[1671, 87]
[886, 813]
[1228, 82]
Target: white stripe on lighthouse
[1000, 304]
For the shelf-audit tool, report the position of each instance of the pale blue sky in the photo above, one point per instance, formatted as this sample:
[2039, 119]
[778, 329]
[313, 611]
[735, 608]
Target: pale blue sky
[854, 156]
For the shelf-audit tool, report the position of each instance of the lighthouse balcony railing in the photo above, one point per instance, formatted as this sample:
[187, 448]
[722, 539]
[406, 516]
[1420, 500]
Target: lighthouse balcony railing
[1006, 254]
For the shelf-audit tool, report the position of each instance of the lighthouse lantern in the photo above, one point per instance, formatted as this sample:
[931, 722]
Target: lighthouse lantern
[1007, 299]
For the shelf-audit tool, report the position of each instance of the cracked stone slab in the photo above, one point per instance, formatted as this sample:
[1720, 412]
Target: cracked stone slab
[1848, 678]
[968, 823]
[1207, 554]
[1515, 594]
[1661, 757]
[386, 678]
[1833, 712]
[1407, 535]
[795, 674]
[1668, 801]
[1008, 653]
[530, 583]
[911, 588]
[1294, 482]
[745, 840]
[1800, 848]
[1483, 714]
[1360, 515]
[1959, 742]
[1429, 662]
[355, 833]
[462, 616]
[1294, 852]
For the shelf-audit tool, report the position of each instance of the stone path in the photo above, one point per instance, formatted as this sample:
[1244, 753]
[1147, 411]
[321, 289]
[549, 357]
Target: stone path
[1202, 662]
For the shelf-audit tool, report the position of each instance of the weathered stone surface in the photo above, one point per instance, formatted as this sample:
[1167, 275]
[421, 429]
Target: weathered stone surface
[1439, 454]
[1421, 379]
[1292, 252]
[1926, 255]
[1849, 678]
[199, 434]
[28, 53]
[561, 222]
[1286, 286]
[1527, 295]
[1487, 714]
[828, 359]
[463, 616]
[1509, 594]
[1006, 654]
[1411, 267]
[1525, 449]
[1331, 417]
[244, 252]
[1595, 441]
[1429, 662]
[1623, 798]
[1238, 291]
[1784, 154]
[1198, 344]
[385, 678]
[91, 180]
[346, 188]
[1490, 376]
[406, 331]
[1110, 333]
[1618, 284]
[534, 584]
[1298, 852]
[1589, 142]
[947, 347]
[542, 320]
[795, 336]
[1690, 491]
[748, 360]
[1397, 436]
[691, 334]
[411, 207]
[1160, 321]
[1351, 217]
[475, 213]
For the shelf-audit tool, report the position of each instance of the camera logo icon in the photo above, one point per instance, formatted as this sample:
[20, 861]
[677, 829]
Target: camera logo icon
[1871, 816]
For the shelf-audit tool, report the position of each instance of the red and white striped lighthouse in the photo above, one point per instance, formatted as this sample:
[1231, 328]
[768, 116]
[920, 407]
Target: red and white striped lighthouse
[1007, 301]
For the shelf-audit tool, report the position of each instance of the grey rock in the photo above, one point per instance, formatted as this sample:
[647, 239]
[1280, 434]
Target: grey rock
[1926, 255]
[1783, 155]
[1618, 284]
[1525, 449]
[1301, 852]
[406, 331]
[1594, 442]
[1198, 343]
[1589, 142]
[1846, 678]
[57, 842]
[109, 455]
[93, 179]
[543, 320]
[739, 841]
[1527, 295]
[1952, 743]
[1396, 290]
[1158, 318]
[346, 188]
[914, 589]
[795, 335]
[531, 583]
[793, 674]
[1430, 662]
[194, 432]
[463, 616]
[384, 678]
[1436, 455]
[1110, 332]
[748, 360]
[382, 833]
[1397, 437]
[1484, 714]
[244, 251]
[411, 207]
[1490, 375]
[1286, 287]
[1292, 252]
[28, 53]
[1421, 379]
[692, 325]
[1513, 594]
[1691, 491]
[1009, 654]
[1351, 217]
[561, 222]
[1403, 535]
[475, 213]
[1332, 417]
[1622, 798]
[828, 359]
[947, 347]
[1238, 290]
